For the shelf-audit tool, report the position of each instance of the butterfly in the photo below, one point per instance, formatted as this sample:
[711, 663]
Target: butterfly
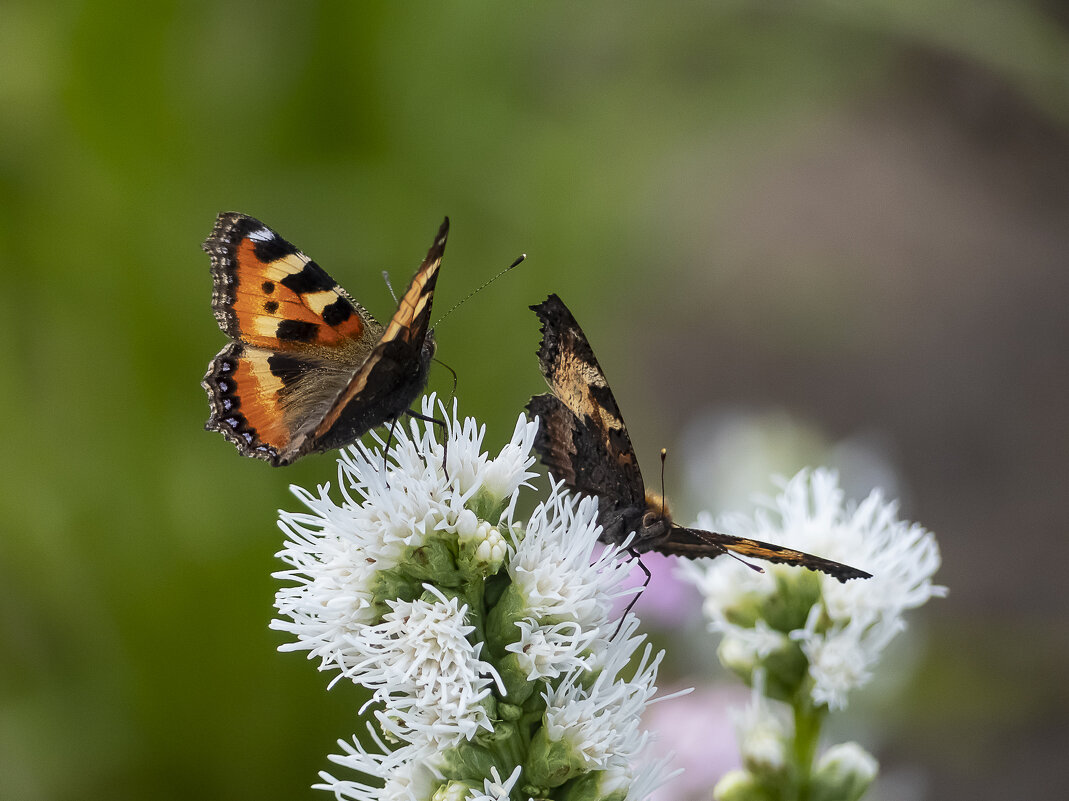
[582, 439]
[308, 369]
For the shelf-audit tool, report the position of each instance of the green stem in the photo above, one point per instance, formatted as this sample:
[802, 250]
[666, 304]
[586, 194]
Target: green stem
[807, 723]
[474, 595]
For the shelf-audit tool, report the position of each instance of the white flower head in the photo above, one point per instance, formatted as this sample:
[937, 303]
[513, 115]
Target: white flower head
[554, 567]
[592, 721]
[601, 720]
[348, 560]
[844, 626]
[420, 585]
[566, 592]
[425, 672]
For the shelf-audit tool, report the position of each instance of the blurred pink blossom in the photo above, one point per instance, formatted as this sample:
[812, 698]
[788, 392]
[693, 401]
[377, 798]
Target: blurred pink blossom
[667, 602]
[698, 728]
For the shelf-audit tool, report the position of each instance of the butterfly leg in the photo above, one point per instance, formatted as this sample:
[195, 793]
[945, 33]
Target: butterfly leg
[445, 439]
[389, 442]
[638, 558]
[453, 392]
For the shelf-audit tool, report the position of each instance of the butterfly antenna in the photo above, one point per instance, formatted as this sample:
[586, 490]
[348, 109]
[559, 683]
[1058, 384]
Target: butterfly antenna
[476, 291]
[664, 457]
[753, 567]
[389, 286]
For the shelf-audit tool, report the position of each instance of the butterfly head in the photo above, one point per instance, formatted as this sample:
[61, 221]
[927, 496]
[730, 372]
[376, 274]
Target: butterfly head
[656, 521]
[657, 505]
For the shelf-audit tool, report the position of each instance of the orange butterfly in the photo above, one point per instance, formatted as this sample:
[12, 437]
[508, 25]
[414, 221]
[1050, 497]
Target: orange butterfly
[308, 369]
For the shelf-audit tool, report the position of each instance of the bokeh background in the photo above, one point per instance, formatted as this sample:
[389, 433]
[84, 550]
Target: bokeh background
[803, 232]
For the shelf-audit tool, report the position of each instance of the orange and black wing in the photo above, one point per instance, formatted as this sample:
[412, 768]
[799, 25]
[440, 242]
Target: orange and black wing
[268, 294]
[297, 338]
[582, 438]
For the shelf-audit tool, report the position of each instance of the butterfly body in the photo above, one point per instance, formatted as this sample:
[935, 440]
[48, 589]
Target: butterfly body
[582, 439]
[308, 369]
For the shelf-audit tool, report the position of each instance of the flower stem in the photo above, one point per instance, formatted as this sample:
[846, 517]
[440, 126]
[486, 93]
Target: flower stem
[807, 723]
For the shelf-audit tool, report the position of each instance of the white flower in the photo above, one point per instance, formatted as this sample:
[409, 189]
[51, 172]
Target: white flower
[546, 651]
[601, 721]
[554, 566]
[494, 789]
[422, 667]
[408, 772]
[742, 649]
[567, 591]
[846, 630]
[421, 586]
[592, 721]
[338, 553]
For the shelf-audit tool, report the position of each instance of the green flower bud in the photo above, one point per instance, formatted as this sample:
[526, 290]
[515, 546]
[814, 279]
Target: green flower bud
[509, 712]
[434, 561]
[486, 505]
[788, 606]
[467, 759]
[482, 552]
[518, 688]
[786, 670]
[501, 620]
[745, 610]
[844, 773]
[741, 785]
[550, 763]
[391, 585]
[786, 667]
[598, 785]
[454, 791]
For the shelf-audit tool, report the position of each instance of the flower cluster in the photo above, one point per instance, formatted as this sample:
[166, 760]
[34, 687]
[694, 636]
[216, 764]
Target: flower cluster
[806, 639]
[488, 644]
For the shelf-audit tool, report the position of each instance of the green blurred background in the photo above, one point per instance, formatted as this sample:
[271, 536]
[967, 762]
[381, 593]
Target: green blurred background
[849, 216]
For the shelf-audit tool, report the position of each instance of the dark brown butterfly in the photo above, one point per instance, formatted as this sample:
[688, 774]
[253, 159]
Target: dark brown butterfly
[308, 369]
[582, 439]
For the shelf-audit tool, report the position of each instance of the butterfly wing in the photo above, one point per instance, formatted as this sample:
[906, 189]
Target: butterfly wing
[298, 338]
[694, 543]
[582, 438]
[268, 294]
[395, 372]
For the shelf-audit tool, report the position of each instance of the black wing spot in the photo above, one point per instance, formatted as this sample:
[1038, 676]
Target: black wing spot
[297, 331]
[286, 368]
[271, 306]
[268, 287]
[311, 278]
[337, 312]
[272, 249]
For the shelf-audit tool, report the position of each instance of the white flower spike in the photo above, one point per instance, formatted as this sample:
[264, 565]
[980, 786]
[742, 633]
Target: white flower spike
[809, 641]
[487, 642]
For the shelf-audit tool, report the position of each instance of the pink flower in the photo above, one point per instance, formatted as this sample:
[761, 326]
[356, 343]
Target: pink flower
[667, 602]
[700, 730]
